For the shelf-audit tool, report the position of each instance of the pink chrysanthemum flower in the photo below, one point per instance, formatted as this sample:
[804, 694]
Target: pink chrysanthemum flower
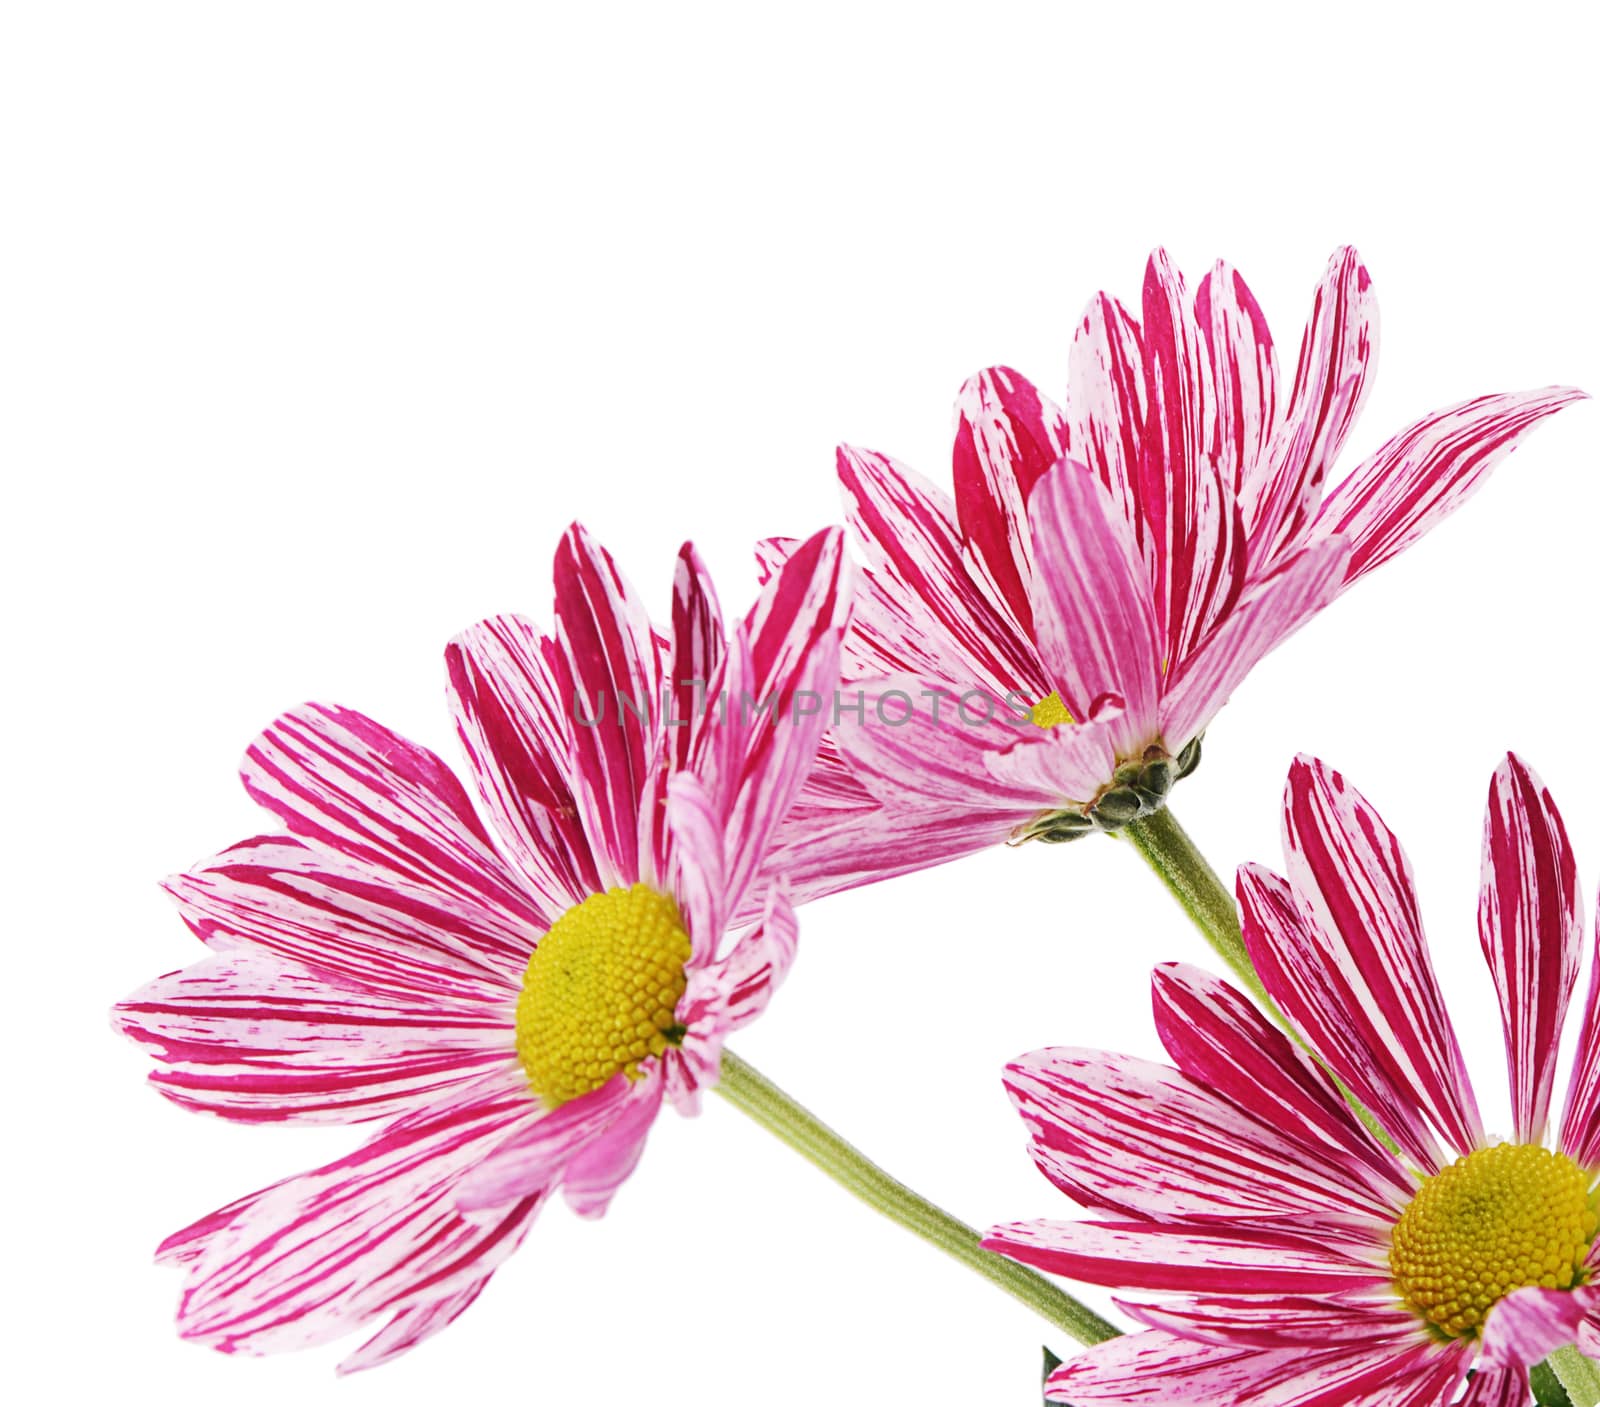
[517, 1004]
[1304, 1260]
[1110, 571]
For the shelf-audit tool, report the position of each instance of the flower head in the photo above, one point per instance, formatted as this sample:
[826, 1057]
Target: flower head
[1038, 655]
[1298, 1256]
[515, 1001]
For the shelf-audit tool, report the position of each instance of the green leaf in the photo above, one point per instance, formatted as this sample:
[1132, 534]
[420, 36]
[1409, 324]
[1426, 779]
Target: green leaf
[1547, 1389]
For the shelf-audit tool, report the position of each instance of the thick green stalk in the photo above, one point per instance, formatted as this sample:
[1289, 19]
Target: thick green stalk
[747, 1089]
[1167, 849]
[1578, 1375]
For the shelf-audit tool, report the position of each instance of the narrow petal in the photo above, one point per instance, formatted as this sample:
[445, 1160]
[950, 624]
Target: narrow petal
[337, 917]
[1284, 1321]
[1144, 1140]
[535, 1155]
[1338, 353]
[1146, 1256]
[1273, 609]
[351, 786]
[1580, 1121]
[1350, 873]
[1219, 1038]
[1106, 408]
[1244, 373]
[1428, 470]
[791, 640]
[928, 601]
[616, 681]
[1007, 435]
[1192, 511]
[735, 989]
[1530, 1324]
[249, 1037]
[518, 740]
[602, 1165]
[1093, 616]
[362, 1238]
[411, 1326]
[1531, 930]
[697, 869]
[1497, 1387]
[699, 645]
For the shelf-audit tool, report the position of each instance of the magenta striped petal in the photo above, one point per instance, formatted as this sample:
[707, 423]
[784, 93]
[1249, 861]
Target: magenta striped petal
[1007, 435]
[731, 992]
[1496, 1387]
[1530, 1324]
[1145, 1140]
[1192, 512]
[597, 1169]
[1271, 610]
[1244, 373]
[1220, 1039]
[1428, 470]
[1531, 930]
[350, 785]
[1580, 1120]
[1093, 615]
[616, 674]
[536, 1151]
[697, 865]
[410, 1327]
[698, 649]
[1338, 352]
[926, 597]
[1143, 1255]
[518, 739]
[362, 1238]
[793, 634]
[1106, 407]
[249, 1037]
[1144, 1370]
[1285, 1321]
[1301, 982]
[1352, 877]
[320, 911]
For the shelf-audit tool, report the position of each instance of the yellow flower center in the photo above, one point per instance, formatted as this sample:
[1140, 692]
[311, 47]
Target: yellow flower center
[1494, 1221]
[1049, 712]
[601, 992]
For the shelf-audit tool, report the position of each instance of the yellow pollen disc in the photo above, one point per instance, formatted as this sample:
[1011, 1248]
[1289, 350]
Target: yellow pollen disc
[1049, 712]
[601, 992]
[1494, 1221]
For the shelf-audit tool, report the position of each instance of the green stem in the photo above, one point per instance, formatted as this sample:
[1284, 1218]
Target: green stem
[1578, 1375]
[746, 1088]
[1168, 851]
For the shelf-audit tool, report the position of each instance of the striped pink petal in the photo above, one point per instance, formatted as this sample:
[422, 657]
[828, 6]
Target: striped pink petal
[1093, 615]
[595, 1172]
[699, 645]
[355, 788]
[729, 993]
[1580, 1120]
[1143, 1139]
[1271, 610]
[1192, 511]
[1284, 1321]
[1496, 1387]
[1219, 1038]
[615, 677]
[250, 1037]
[912, 543]
[793, 635]
[410, 1327]
[1244, 373]
[517, 735]
[362, 1238]
[696, 864]
[1143, 1255]
[1156, 1368]
[1428, 470]
[1528, 1325]
[1351, 875]
[1107, 410]
[534, 1155]
[320, 911]
[1007, 435]
[1338, 352]
[1531, 930]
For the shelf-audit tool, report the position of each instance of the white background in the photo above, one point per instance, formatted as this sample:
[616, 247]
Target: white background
[321, 321]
